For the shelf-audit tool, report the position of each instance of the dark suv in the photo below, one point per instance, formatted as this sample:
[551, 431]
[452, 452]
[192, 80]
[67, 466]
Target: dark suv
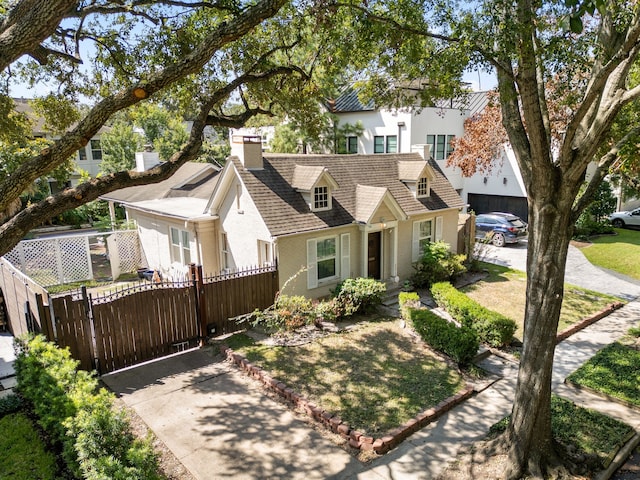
[500, 228]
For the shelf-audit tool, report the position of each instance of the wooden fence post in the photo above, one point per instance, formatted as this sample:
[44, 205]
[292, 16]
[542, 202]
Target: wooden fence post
[201, 306]
[88, 310]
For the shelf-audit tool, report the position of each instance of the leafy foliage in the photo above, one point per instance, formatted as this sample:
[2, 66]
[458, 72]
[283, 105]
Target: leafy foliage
[407, 301]
[10, 404]
[492, 328]
[437, 264]
[460, 343]
[358, 295]
[95, 439]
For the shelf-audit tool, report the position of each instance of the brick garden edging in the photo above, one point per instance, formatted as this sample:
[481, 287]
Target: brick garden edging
[334, 423]
[576, 327]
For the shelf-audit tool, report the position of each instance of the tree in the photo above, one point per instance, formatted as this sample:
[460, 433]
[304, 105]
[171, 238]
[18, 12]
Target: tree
[198, 54]
[119, 147]
[588, 49]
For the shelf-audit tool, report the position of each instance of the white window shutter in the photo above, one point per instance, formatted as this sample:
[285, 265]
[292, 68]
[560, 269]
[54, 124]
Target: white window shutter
[345, 256]
[415, 245]
[438, 229]
[312, 264]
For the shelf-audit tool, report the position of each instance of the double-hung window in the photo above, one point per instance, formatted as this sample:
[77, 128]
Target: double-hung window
[352, 144]
[321, 198]
[378, 144]
[422, 188]
[326, 258]
[96, 150]
[392, 144]
[180, 247]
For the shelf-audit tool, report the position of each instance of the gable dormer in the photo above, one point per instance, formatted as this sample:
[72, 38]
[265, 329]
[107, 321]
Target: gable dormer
[316, 185]
[417, 176]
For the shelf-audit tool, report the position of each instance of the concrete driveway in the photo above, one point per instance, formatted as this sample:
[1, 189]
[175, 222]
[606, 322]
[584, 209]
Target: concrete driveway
[579, 270]
[220, 424]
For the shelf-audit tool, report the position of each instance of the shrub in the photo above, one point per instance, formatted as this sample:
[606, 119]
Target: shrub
[357, 295]
[96, 440]
[436, 264]
[408, 300]
[287, 313]
[492, 328]
[460, 343]
[10, 404]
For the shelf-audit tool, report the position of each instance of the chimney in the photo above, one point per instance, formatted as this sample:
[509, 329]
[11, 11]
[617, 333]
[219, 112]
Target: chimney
[423, 149]
[248, 148]
[146, 160]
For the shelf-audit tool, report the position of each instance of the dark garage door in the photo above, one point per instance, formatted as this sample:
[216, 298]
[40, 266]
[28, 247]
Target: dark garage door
[498, 203]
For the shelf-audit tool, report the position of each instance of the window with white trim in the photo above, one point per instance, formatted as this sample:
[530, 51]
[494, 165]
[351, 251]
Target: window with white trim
[327, 257]
[265, 253]
[422, 188]
[422, 236]
[392, 143]
[378, 144]
[180, 246]
[96, 150]
[82, 153]
[321, 198]
[224, 252]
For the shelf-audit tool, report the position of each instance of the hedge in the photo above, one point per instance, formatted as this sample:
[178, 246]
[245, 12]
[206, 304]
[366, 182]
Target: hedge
[96, 440]
[406, 301]
[492, 328]
[459, 343]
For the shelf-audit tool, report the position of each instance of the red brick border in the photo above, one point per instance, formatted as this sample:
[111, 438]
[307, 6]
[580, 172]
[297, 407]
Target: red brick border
[334, 423]
[576, 327]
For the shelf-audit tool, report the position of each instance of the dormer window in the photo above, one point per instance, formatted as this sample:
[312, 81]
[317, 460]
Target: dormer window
[422, 188]
[321, 198]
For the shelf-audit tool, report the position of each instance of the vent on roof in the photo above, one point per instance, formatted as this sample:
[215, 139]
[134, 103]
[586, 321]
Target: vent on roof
[248, 148]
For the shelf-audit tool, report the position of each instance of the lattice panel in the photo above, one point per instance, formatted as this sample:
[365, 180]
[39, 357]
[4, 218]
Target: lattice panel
[53, 261]
[129, 250]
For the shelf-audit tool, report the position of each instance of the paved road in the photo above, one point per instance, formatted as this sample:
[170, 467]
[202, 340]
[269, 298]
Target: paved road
[578, 272]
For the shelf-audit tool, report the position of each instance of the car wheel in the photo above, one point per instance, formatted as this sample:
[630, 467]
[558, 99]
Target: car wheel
[618, 222]
[498, 240]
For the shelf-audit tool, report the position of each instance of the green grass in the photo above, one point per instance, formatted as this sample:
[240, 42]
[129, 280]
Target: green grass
[504, 291]
[620, 253]
[593, 434]
[614, 371]
[375, 377]
[22, 453]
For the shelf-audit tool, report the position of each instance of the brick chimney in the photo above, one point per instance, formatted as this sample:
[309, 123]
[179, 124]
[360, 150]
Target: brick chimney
[248, 148]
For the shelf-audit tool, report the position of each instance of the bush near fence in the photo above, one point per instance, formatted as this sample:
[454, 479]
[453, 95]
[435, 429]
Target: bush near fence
[96, 440]
[459, 343]
[492, 328]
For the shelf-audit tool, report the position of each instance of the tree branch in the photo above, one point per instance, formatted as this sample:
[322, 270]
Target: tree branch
[66, 146]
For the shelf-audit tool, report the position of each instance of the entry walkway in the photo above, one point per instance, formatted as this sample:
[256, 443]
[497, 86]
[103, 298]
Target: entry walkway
[220, 424]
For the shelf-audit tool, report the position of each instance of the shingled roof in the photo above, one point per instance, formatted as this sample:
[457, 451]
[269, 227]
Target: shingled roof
[285, 210]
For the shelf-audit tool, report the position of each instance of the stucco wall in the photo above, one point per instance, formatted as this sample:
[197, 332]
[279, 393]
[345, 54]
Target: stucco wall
[243, 225]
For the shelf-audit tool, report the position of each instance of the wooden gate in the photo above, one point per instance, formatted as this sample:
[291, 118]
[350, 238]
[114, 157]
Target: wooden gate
[150, 321]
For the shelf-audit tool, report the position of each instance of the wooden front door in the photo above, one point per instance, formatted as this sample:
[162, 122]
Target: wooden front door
[373, 255]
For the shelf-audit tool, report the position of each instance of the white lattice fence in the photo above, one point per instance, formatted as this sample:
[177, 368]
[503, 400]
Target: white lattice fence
[53, 261]
[128, 250]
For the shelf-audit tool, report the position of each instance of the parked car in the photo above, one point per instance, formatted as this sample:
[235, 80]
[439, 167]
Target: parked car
[624, 219]
[500, 228]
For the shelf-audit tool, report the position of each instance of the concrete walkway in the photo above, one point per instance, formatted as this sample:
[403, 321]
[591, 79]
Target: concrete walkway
[7, 357]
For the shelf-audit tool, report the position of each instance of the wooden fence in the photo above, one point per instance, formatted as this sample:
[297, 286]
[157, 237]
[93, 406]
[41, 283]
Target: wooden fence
[152, 320]
[18, 300]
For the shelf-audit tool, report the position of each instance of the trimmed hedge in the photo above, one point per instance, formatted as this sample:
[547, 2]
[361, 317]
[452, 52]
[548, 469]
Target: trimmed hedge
[406, 301]
[96, 440]
[459, 343]
[492, 328]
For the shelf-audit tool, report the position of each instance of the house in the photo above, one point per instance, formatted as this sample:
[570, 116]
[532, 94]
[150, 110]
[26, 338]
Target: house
[87, 158]
[321, 218]
[395, 130]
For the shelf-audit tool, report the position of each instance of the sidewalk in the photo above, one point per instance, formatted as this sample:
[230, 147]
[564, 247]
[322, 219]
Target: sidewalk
[7, 357]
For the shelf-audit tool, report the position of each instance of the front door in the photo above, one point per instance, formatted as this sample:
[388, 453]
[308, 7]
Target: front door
[373, 255]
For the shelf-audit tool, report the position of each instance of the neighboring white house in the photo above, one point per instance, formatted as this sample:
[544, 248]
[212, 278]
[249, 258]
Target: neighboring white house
[87, 158]
[395, 130]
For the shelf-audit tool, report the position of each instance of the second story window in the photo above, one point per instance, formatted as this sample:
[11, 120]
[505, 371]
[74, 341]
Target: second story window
[320, 198]
[83, 153]
[392, 144]
[422, 189]
[352, 144]
[96, 150]
[441, 146]
[378, 144]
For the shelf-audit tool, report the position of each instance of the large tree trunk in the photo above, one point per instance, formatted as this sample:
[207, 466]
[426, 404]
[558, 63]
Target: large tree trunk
[528, 436]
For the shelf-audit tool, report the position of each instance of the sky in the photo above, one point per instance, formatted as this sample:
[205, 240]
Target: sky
[481, 80]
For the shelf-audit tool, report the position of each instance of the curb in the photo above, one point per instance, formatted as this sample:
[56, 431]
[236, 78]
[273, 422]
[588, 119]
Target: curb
[619, 459]
[576, 327]
[334, 423]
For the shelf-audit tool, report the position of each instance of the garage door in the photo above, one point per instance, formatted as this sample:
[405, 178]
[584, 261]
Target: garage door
[498, 203]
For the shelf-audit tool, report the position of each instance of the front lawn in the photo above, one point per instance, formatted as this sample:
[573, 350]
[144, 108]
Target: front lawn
[614, 371]
[23, 455]
[375, 376]
[504, 291]
[620, 252]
